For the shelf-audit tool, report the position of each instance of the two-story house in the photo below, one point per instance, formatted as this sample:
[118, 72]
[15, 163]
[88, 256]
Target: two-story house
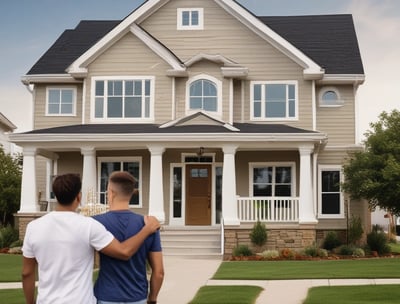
[224, 118]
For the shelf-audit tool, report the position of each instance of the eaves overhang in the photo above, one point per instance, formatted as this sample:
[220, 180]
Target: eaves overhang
[48, 78]
[331, 79]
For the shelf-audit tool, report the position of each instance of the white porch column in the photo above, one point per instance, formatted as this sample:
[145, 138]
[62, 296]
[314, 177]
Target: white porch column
[156, 190]
[306, 204]
[29, 197]
[229, 201]
[89, 177]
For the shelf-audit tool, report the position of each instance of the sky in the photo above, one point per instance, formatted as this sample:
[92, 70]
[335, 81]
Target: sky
[29, 27]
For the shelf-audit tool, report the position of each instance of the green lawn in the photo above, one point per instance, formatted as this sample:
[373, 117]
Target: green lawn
[324, 269]
[395, 247]
[12, 296]
[372, 294]
[11, 266]
[226, 294]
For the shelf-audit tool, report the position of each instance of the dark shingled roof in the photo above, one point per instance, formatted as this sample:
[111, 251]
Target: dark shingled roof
[329, 40]
[154, 129]
[71, 45]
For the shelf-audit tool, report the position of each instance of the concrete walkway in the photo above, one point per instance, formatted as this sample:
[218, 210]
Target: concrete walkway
[185, 276]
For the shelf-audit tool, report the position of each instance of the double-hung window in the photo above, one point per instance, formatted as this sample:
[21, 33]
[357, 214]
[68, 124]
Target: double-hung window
[270, 180]
[123, 99]
[274, 100]
[61, 101]
[330, 196]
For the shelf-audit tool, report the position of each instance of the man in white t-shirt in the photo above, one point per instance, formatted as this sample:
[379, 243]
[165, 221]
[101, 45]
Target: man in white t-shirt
[61, 245]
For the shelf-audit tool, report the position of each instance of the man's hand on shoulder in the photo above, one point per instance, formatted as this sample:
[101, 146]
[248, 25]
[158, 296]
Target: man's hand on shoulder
[151, 223]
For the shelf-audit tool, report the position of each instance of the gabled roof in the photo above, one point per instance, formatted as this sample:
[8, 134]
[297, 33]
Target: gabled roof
[330, 40]
[326, 41]
[70, 46]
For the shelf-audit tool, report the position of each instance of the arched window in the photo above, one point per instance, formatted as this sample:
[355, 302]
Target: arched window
[203, 95]
[330, 97]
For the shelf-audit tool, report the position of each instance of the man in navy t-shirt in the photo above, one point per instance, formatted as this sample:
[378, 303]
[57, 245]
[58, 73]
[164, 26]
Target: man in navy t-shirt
[126, 281]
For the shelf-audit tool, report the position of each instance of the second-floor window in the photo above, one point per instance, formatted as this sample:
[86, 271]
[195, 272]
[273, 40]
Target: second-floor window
[61, 101]
[204, 95]
[123, 99]
[273, 100]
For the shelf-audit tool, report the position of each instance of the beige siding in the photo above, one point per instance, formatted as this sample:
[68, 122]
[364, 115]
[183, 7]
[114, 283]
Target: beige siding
[338, 122]
[225, 35]
[41, 177]
[131, 57]
[42, 121]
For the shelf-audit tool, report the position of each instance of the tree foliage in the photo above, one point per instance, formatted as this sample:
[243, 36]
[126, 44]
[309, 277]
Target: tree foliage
[10, 187]
[374, 174]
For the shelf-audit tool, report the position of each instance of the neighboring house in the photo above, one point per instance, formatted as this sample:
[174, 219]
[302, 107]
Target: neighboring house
[222, 116]
[6, 127]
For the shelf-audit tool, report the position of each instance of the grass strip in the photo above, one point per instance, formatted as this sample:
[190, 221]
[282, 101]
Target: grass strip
[12, 296]
[11, 267]
[324, 269]
[226, 294]
[372, 294]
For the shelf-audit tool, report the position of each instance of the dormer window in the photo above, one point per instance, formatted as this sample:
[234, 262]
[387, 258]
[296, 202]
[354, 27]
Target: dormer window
[190, 19]
[330, 97]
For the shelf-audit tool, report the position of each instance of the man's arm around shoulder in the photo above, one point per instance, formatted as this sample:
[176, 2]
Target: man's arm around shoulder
[126, 249]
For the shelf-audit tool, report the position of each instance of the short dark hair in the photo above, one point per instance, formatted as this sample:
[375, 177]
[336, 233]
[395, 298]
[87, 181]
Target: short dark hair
[124, 181]
[66, 188]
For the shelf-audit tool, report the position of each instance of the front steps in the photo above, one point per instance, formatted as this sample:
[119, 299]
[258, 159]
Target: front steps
[191, 242]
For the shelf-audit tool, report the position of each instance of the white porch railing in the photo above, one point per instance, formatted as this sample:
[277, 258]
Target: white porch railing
[268, 209]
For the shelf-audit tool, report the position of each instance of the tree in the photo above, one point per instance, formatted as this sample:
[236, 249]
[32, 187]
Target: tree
[374, 174]
[10, 187]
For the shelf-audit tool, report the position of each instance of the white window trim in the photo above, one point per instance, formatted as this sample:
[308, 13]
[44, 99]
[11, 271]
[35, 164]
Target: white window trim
[272, 164]
[74, 98]
[190, 27]
[263, 118]
[341, 215]
[339, 102]
[149, 119]
[218, 113]
[122, 159]
[177, 221]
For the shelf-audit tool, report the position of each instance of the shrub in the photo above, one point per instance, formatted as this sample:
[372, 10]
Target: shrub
[17, 243]
[359, 253]
[258, 235]
[311, 251]
[355, 230]
[8, 235]
[323, 253]
[242, 250]
[331, 241]
[288, 254]
[378, 241]
[346, 250]
[270, 254]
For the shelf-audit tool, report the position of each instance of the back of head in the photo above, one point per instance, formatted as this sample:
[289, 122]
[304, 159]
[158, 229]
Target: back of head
[66, 188]
[123, 183]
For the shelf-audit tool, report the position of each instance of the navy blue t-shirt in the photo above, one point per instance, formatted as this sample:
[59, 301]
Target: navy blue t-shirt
[124, 281]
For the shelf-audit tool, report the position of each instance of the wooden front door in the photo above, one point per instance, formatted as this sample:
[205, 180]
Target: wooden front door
[198, 195]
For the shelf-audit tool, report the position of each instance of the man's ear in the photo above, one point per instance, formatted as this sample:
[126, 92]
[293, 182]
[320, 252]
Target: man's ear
[79, 197]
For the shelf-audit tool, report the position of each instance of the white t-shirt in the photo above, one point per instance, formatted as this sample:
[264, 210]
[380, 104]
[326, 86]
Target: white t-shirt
[62, 243]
